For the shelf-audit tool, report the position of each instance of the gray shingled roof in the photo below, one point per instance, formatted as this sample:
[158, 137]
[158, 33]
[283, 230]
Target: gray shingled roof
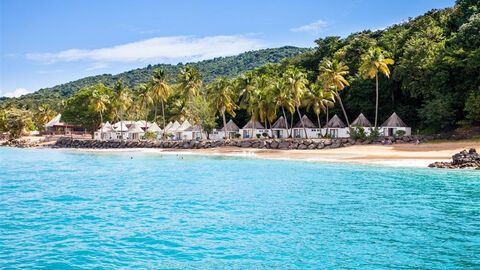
[306, 122]
[394, 121]
[280, 123]
[361, 121]
[231, 126]
[255, 125]
[335, 122]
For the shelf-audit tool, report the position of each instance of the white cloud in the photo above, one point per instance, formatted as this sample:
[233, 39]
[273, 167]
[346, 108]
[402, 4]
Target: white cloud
[160, 49]
[314, 28]
[18, 92]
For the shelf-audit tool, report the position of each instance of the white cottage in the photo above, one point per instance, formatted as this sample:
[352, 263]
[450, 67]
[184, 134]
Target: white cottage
[232, 130]
[312, 130]
[179, 132]
[279, 128]
[194, 133]
[252, 130]
[393, 125]
[170, 129]
[106, 132]
[154, 128]
[121, 129]
[362, 122]
[135, 132]
[336, 128]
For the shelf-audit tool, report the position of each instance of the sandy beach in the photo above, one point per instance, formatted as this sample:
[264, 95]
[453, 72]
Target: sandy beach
[399, 155]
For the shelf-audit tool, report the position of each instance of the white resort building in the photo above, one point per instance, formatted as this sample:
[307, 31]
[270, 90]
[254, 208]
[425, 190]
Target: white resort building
[312, 130]
[279, 128]
[252, 130]
[336, 128]
[394, 126]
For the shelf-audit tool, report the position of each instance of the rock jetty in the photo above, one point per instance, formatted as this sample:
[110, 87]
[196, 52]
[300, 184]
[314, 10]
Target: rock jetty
[462, 160]
[284, 144]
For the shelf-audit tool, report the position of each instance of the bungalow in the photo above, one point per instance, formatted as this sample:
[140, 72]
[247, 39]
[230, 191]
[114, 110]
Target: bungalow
[252, 129]
[194, 133]
[336, 128]
[393, 125]
[232, 130]
[154, 128]
[279, 128]
[135, 132]
[143, 124]
[106, 132]
[362, 121]
[298, 130]
[121, 129]
[170, 129]
[179, 131]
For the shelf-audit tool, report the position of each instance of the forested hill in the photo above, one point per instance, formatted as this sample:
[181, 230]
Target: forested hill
[223, 66]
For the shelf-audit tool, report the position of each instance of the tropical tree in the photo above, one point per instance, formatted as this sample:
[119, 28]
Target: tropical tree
[221, 96]
[45, 114]
[123, 100]
[144, 98]
[247, 87]
[373, 62]
[267, 112]
[161, 91]
[99, 101]
[282, 98]
[190, 82]
[318, 99]
[296, 83]
[332, 73]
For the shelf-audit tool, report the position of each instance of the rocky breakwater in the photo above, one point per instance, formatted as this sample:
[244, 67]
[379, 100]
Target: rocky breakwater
[462, 160]
[284, 144]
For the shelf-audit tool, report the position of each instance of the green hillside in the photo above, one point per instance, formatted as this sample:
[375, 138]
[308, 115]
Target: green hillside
[223, 66]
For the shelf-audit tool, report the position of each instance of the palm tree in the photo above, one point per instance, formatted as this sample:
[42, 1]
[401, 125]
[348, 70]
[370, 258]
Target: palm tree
[123, 100]
[283, 99]
[161, 91]
[45, 114]
[332, 74]
[99, 102]
[267, 111]
[319, 100]
[247, 86]
[144, 98]
[221, 95]
[373, 62]
[296, 83]
[190, 81]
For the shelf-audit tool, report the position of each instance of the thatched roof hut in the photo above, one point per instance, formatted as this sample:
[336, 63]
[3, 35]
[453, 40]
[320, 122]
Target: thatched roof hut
[306, 122]
[253, 125]
[121, 126]
[335, 122]
[154, 128]
[183, 126]
[135, 128]
[196, 128]
[280, 123]
[231, 126]
[394, 121]
[173, 127]
[361, 121]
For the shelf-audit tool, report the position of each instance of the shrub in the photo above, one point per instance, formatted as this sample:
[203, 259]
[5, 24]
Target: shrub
[258, 136]
[264, 134]
[329, 136]
[374, 133]
[401, 132]
[357, 133]
[237, 135]
[149, 135]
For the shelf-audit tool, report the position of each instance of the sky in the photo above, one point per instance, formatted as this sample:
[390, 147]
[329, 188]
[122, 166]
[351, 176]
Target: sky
[48, 42]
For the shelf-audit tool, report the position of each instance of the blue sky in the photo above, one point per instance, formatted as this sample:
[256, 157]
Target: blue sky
[45, 43]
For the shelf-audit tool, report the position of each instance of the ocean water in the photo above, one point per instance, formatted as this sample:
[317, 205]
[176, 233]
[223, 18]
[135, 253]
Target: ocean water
[73, 210]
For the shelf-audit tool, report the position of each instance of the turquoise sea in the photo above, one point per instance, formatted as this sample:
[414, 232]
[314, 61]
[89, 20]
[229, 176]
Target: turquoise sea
[73, 210]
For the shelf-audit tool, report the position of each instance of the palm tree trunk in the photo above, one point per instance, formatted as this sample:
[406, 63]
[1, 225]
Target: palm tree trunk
[326, 131]
[319, 126]
[101, 125]
[163, 115]
[253, 126]
[341, 105]
[291, 125]
[155, 117]
[301, 121]
[121, 123]
[376, 100]
[225, 131]
[286, 122]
